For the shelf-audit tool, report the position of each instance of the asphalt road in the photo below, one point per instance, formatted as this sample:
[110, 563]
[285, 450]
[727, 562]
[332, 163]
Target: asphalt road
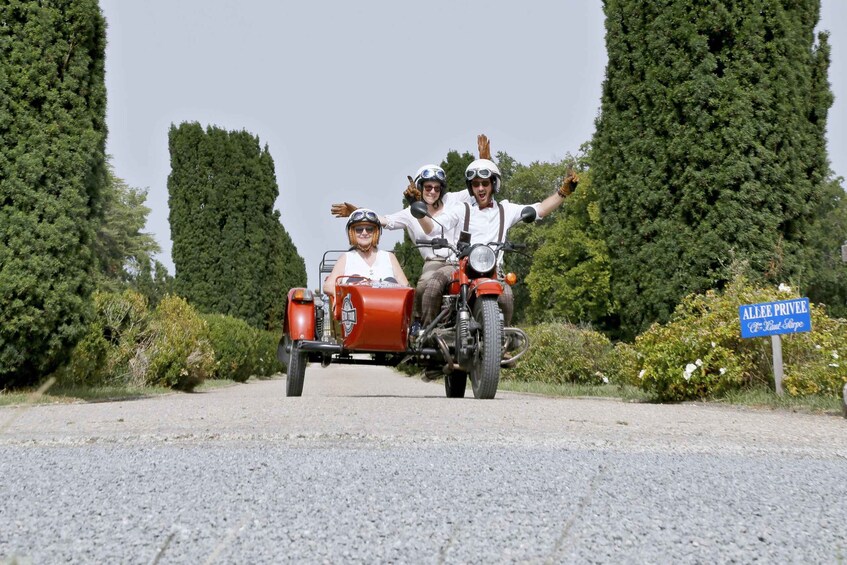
[373, 467]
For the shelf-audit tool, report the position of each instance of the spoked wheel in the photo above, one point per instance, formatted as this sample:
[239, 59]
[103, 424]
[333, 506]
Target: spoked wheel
[455, 384]
[485, 366]
[296, 371]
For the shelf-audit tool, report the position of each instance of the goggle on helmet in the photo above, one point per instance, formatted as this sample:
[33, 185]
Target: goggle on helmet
[363, 216]
[430, 172]
[483, 169]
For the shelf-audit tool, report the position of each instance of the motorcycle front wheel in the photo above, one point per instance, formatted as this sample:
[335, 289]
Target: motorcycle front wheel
[485, 365]
[296, 371]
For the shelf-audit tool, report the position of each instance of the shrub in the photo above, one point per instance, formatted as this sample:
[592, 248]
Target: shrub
[179, 354]
[265, 362]
[238, 348]
[563, 353]
[623, 365]
[699, 353]
[813, 363]
[119, 327]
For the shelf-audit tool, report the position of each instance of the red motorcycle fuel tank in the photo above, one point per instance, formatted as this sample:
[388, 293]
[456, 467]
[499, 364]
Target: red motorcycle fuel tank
[375, 318]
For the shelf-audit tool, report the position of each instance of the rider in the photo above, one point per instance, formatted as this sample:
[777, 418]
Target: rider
[487, 221]
[364, 258]
[431, 183]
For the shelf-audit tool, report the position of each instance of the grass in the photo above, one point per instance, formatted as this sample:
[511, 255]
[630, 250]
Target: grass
[69, 394]
[626, 392]
[752, 398]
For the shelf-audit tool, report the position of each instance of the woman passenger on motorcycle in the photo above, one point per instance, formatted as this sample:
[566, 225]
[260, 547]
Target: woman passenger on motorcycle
[488, 221]
[431, 181]
[364, 258]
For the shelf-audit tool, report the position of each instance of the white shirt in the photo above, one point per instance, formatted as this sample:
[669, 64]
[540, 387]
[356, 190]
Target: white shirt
[380, 270]
[404, 220]
[484, 225]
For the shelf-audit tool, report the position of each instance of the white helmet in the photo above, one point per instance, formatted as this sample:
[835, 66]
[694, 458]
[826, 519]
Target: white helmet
[363, 216]
[430, 172]
[483, 169]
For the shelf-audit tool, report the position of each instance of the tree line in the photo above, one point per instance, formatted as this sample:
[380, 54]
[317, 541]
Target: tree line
[708, 161]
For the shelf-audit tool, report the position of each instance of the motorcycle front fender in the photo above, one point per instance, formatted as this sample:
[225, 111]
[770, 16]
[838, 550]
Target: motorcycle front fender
[482, 287]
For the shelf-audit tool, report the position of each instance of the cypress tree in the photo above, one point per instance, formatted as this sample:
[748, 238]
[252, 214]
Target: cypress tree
[52, 171]
[231, 254]
[709, 147]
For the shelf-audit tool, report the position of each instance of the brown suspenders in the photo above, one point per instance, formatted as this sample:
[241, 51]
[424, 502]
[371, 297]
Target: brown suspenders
[502, 220]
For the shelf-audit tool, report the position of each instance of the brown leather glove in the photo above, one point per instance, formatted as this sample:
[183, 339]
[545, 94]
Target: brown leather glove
[569, 183]
[484, 146]
[412, 193]
[343, 209]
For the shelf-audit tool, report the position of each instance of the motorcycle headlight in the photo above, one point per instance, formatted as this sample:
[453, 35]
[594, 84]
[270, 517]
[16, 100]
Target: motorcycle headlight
[482, 259]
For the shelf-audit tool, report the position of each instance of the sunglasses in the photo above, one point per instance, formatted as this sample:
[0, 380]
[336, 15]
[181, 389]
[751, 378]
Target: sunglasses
[427, 174]
[483, 183]
[364, 216]
[363, 229]
[432, 188]
[481, 173]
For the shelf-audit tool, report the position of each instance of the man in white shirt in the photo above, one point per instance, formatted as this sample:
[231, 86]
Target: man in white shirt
[487, 221]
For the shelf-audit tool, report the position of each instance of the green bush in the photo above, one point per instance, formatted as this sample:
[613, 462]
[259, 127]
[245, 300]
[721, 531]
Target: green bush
[179, 354]
[699, 353]
[813, 363]
[104, 355]
[240, 349]
[623, 365]
[563, 353]
[265, 362]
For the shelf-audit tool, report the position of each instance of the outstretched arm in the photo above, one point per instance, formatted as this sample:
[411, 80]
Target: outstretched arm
[555, 200]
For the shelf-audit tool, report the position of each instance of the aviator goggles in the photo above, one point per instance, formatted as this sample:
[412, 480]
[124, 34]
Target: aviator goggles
[437, 174]
[364, 216]
[481, 173]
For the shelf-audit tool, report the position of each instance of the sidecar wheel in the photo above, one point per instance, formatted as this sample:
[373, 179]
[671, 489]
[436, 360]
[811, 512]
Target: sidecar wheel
[296, 371]
[485, 366]
[455, 384]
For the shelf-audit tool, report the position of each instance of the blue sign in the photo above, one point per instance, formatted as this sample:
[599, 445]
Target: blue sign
[769, 318]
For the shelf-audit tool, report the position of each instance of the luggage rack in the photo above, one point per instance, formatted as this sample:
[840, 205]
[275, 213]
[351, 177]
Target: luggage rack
[328, 261]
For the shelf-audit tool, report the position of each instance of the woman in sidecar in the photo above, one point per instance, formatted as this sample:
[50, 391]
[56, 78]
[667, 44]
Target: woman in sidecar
[365, 260]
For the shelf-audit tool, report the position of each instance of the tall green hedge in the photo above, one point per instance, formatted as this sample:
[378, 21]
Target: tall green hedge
[709, 146]
[52, 171]
[231, 253]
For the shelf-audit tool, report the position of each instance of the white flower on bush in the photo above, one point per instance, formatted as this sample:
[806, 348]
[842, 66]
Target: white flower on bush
[699, 362]
[835, 355]
[714, 345]
[641, 373]
[723, 370]
[833, 364]
[689, 369]
[817, 346]
[784, 288]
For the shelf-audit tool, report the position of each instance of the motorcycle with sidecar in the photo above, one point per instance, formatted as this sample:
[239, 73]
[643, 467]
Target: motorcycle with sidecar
[368, 322]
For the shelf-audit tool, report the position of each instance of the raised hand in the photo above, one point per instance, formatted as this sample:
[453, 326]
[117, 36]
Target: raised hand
[569, 183]
[343, 209]
[484, 146]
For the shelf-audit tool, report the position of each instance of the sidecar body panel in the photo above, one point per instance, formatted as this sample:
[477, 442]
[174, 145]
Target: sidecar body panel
[300, 315]
[372, 317]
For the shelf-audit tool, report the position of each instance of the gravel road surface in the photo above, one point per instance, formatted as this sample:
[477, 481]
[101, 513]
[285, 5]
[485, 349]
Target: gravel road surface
[370, 466]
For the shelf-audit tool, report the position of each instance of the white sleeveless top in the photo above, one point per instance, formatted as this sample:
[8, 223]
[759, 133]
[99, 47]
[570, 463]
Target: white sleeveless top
[380, 270]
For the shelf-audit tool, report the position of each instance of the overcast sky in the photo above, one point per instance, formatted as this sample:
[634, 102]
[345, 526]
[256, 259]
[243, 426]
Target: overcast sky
[351, 97]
